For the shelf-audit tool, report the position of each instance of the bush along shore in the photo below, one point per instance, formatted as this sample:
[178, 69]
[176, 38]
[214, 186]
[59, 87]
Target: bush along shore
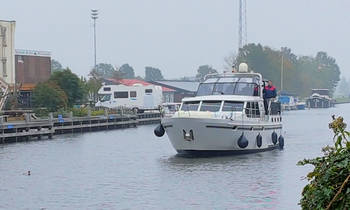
[329, 182]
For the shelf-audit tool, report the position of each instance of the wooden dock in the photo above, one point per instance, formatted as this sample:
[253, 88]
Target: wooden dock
[36, 129]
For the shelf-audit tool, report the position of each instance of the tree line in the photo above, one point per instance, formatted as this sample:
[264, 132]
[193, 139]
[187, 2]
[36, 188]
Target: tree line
[301, 73]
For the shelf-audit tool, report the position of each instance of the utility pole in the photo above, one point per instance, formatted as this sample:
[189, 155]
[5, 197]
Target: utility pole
[94, 16]
[242, 25]
[282, 69]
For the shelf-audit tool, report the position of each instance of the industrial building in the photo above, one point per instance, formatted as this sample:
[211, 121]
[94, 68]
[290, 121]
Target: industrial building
[31, 67]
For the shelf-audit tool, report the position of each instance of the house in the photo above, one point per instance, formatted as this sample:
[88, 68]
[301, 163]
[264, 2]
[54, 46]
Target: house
[182, 88]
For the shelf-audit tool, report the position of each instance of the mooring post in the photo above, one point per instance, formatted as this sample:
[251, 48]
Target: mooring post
[27, 117]
[89, 111]
[50, 117]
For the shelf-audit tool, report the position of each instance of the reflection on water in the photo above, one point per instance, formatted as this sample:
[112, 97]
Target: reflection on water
[131, 168]
[243, 181]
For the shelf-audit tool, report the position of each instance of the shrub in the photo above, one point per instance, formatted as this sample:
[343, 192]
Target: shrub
[329, 186]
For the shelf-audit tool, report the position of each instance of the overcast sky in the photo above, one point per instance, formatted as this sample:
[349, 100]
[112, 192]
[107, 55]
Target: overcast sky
[176, 35]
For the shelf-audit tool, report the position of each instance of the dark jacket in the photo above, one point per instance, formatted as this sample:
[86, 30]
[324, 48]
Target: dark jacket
[270, 92]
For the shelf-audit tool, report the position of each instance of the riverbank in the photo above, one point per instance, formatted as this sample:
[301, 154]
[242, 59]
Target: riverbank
[342, 100]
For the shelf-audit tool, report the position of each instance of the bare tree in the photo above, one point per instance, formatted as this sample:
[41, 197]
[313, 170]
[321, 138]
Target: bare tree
[230, 61]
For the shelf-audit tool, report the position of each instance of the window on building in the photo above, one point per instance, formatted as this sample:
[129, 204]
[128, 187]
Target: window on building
[107, 89]
[148, 91]
[121, 94]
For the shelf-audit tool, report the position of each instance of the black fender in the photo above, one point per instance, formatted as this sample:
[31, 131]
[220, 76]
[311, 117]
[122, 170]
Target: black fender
[242, 141]
[159, 130]
[259, 140]
[281, 142]
[274, 137]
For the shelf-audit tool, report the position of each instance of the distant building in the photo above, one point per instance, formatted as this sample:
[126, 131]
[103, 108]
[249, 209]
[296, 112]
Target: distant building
[32, 67]
[182, 88]
[7, 51]
[168, 93]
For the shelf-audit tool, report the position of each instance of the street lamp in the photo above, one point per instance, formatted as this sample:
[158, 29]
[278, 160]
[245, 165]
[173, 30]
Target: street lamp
[94, 16]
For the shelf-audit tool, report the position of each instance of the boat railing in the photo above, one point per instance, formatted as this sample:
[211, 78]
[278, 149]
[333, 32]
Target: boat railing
[253, 112]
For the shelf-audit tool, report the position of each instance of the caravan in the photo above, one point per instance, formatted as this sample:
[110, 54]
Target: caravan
[137, 97]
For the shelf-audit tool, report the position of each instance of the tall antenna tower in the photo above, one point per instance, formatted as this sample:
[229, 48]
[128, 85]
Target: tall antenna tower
[242, 27]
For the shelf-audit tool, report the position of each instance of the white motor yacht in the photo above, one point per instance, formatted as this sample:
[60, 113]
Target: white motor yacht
[227, 116]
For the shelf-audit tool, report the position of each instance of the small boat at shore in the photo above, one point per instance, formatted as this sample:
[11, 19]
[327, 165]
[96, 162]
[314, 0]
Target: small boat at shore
[227, 116]
[320, 99]
[301, 105]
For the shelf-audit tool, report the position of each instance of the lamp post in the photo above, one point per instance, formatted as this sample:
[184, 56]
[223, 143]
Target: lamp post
[94, 16]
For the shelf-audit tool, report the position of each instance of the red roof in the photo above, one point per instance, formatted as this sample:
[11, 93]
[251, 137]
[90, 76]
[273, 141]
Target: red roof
[131, 82]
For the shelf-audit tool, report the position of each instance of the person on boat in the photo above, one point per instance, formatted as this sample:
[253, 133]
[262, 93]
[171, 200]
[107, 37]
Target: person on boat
[269, 93]
[256, 90]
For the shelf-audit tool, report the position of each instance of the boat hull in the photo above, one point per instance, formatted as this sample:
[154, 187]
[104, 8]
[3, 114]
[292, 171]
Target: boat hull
[196, 136]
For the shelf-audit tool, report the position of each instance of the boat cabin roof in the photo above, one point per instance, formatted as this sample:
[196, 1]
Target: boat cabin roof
[223, 98]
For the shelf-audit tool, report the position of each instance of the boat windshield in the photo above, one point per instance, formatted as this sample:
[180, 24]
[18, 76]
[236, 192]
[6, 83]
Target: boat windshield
[246, 86]
[104, 97]
[235, 88]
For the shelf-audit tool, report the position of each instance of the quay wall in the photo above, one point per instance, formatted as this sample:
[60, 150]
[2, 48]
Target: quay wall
[37, 129]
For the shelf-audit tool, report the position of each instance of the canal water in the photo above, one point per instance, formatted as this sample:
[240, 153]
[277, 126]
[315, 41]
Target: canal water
[132, 169]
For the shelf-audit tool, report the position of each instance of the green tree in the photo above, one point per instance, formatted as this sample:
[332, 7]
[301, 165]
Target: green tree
[56, 66]
[104, 70]
[71, 85]
[50, 96]
[203, 71]
[343, 88]
[301, 74]
[153, 74]
[127, 72]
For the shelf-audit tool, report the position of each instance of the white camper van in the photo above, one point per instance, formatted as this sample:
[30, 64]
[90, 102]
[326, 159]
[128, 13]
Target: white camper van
[137, 97]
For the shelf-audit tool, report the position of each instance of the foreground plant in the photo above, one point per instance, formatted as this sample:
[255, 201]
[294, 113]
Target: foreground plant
[329, 186]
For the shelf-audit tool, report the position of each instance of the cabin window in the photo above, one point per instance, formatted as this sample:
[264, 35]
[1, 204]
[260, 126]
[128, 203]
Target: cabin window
[232, 106]
[148, 91]
[210, 106]
[121, 94]
[205, 89]
[133, 94]
[252, 110]
[190, 106]
[107, 89]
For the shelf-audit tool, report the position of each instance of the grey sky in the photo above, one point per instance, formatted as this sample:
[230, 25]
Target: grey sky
[176, 35]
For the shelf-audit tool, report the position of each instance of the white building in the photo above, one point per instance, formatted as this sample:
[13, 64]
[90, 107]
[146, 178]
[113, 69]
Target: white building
[7, 51]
